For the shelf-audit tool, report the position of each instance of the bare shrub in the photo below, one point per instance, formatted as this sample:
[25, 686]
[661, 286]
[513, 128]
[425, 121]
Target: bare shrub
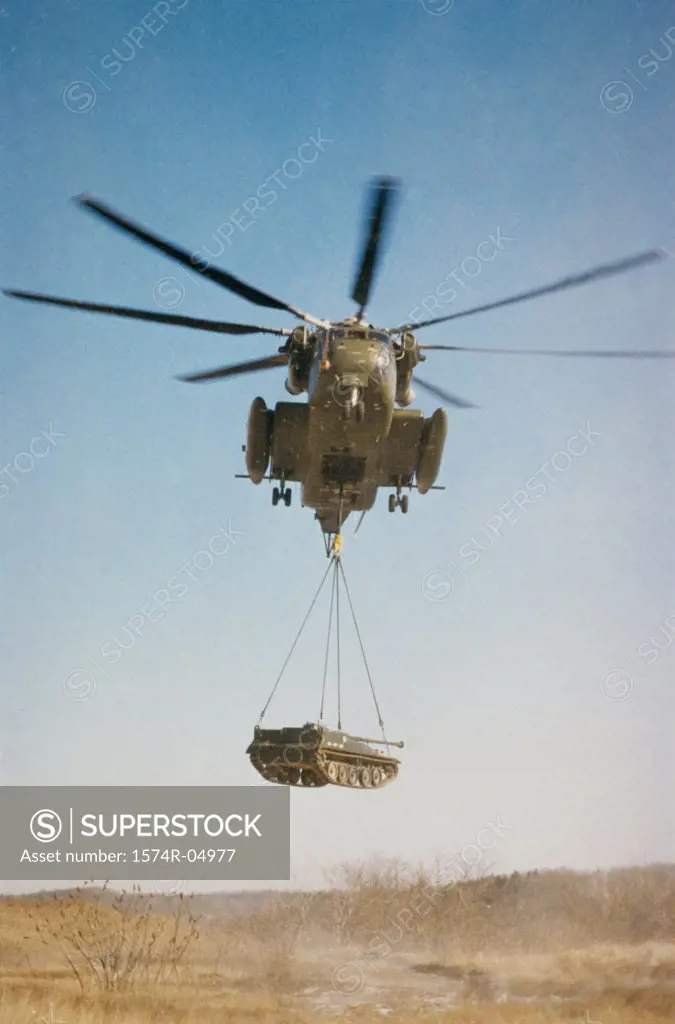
[270, 938]
[116, 943]
[388, 905]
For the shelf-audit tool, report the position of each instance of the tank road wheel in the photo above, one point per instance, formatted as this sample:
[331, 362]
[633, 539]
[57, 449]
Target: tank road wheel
[275, 495]
[392, 502]
[404, 504]
[258, 438]
[342, 774]
[353, 776]
[377, 777]
[366, 778]
[332, 771]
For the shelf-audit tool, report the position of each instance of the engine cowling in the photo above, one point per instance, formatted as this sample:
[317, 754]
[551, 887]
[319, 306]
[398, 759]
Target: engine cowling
[292, 385]
[298, 370]
[406, 360]
[405, 397]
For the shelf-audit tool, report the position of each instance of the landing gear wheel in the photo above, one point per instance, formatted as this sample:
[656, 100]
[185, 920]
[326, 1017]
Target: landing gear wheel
[404, 504]
[307, 777]
[353, 776]
[293, 776]
[366, 778]
[288, 494]
[360, 412]
[392, 502]
[342, 774]
[332, 771]
[276, 494]
[377, 776]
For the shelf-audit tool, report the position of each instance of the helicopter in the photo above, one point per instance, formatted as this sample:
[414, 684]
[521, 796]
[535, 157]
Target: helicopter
[356, 433]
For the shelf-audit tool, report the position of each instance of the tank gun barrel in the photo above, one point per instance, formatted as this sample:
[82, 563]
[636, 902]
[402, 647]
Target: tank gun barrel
[386, 743]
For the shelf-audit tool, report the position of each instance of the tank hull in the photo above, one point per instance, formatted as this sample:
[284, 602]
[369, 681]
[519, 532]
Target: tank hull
[312, 755]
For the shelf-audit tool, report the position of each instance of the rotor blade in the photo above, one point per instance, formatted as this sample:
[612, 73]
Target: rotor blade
[218, 326]
[630, 354]
[192, 262]
[252, 366]
[444, 396]
[607, 270]
[383, 193]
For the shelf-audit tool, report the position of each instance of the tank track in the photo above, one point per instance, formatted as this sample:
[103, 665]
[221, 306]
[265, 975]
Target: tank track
[356, 771]
[284, 772]
[282, 765]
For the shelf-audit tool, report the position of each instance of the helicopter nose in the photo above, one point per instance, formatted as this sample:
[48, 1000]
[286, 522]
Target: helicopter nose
[357, 361]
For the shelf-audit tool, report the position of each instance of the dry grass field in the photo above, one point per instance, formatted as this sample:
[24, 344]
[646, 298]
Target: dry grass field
[381, 943]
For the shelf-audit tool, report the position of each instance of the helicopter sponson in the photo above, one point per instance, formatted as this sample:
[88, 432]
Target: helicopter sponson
[281, 437]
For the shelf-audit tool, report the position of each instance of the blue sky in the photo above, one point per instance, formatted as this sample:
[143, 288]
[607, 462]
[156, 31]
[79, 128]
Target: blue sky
[545, 125]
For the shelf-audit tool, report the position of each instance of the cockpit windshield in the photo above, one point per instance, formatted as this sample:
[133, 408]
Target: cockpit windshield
[342, 333]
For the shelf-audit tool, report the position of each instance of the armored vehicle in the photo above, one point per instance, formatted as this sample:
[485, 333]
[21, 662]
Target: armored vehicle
[315, 755]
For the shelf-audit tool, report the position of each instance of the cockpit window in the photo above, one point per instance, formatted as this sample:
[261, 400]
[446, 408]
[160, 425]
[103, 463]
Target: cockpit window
[340, 333]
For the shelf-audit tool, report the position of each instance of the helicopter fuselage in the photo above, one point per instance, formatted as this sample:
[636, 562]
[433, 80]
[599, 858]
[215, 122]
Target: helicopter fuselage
[348, 439]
